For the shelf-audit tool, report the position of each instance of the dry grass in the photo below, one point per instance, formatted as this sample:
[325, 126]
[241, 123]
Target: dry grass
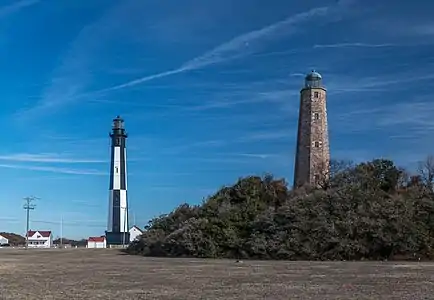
[107, 274]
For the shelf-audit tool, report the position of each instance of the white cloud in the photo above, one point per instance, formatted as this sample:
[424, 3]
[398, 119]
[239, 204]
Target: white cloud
[353, 45]
[46, 157]
[415, 113]
[424, 30]
[188, 146]
[377, 83]
[242, 138]
[249, 95]
[260, 155]
[269, 135]
[54, 169]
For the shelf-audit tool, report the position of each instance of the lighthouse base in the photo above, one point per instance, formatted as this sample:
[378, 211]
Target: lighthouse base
[117, 238]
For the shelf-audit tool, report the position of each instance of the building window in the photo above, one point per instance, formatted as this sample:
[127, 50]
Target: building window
[316, 144]
[316, 116]
[315, 94]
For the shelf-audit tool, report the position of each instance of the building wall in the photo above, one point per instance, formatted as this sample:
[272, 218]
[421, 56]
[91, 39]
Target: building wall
[118, 207]
[41, 242]
[3, 240]
[91, 244]
[312, 152]
[110, 212]
[134, 234]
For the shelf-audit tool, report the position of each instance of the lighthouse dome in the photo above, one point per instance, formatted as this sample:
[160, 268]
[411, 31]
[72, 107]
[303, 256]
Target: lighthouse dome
[313, 75]
[313, 79]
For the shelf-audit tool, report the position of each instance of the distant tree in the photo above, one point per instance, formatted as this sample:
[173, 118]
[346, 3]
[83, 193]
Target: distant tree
[415, 180]
[73, 243]
[426, 171]
[334, 173]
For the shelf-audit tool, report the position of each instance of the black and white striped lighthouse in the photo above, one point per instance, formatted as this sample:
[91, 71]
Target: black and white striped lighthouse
[117, 228]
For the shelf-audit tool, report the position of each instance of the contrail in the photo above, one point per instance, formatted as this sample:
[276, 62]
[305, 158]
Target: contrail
[347, 45]
[143, 79]
[7, 10]
[235, 48]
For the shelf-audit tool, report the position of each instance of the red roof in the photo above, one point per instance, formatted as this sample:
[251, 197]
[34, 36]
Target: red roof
[98, 239]
[43, 233]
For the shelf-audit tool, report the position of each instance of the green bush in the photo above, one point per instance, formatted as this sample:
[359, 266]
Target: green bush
[368, 211]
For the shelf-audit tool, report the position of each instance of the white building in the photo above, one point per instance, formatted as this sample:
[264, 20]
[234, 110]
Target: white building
[40, 239]
[97, 242]
[3, 240]
[135, 232]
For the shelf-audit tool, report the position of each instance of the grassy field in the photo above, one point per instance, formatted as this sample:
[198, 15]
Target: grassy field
[108, 274]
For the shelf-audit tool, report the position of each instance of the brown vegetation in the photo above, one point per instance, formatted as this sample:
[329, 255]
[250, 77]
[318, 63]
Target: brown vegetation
[370, 211]
[107, 274]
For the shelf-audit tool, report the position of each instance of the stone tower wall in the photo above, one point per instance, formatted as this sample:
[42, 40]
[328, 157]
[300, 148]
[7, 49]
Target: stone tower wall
[312, 152]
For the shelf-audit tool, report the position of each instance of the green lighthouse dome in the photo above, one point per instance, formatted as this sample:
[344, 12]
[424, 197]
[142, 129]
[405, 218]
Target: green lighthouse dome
[313, 80]
[313, 75]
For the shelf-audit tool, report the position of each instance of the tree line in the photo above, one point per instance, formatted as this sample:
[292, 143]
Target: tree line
[372, 210]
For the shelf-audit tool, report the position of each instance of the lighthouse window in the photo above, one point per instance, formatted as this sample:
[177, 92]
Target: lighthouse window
[315, 94]
[316, 144]
[316, 116]
[118, 141]
[116, 170]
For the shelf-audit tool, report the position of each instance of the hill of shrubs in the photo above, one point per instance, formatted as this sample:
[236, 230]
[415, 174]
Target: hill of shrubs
[373, 210]
[14, 239]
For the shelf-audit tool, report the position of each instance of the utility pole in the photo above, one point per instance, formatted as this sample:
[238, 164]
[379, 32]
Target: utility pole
[28, 206]
[61, 231]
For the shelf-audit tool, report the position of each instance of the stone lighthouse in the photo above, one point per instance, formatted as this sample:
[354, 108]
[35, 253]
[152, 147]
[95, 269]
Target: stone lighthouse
[312, 158]
[117, 228]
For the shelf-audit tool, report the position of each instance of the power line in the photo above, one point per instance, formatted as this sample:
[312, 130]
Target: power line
[28, 206]
[76, 223]
[71, 224]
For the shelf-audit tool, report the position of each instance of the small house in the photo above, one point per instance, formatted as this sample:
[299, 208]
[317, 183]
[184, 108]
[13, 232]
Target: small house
[97, 242]
[135, 233]
[3, 240]
[40, 239]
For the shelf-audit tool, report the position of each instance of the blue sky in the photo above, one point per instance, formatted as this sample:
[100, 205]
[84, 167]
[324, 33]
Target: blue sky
[209, 92]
